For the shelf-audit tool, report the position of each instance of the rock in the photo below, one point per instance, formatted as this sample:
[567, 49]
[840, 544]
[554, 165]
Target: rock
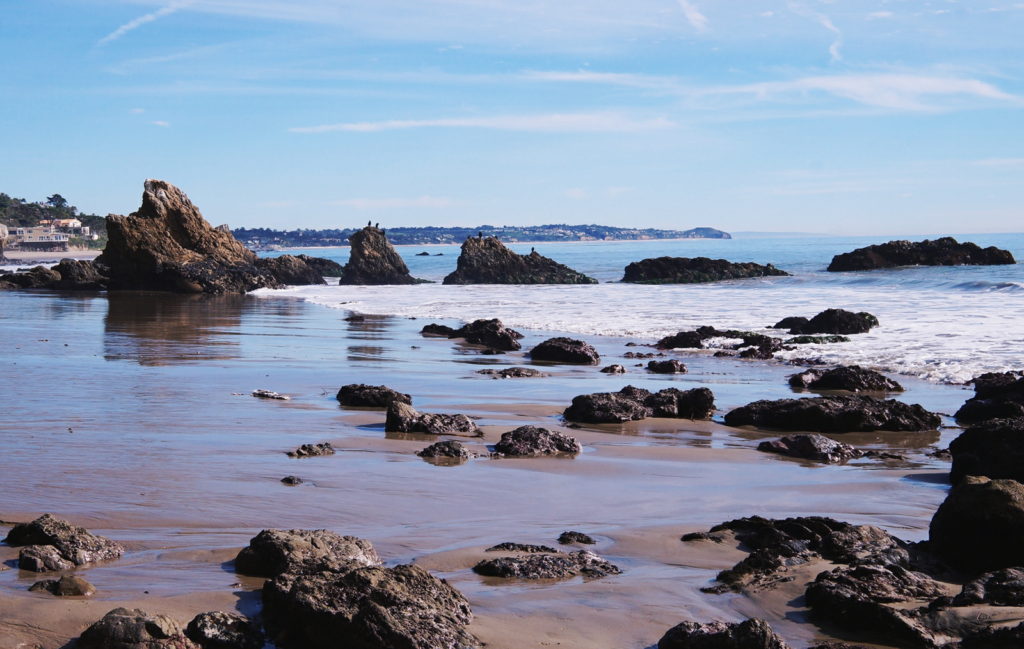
[834, 414]
[568, 538]
[811, 447]
[223, 630]
[423, 254]
[434, 329]
[360, 395]
[489, 333]
[78, 276]
[670, 366]
[167, 245]
[641, 354]
[673, 403]
[512, 373]
[750, 634]
[997, 395]
[682, 340]
[852, 378]
[291, 270]
[37, 277]
[548, 566]
[273, 552]
[66, 586]
[994, 449]
[791, 322]
[614, 368]
[448, 449]
[373, 260]
[837, 645]
[270, 394]
[485, 260]
[565, 350]
[630, 404]
[530, 441]
[979, 525]
[55, 544]
[403, 418]
[367, 608]
[837, 321]
[753, 345]
[292, 480]
[815, 340]
[999, 588]
[124, 628]
[326, 267]
[510, 546]
[945, 251]
[312, 450]
[685, 270]
[995, 638]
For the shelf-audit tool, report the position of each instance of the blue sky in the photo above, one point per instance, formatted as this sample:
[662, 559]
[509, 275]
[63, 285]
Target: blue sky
[833, 116]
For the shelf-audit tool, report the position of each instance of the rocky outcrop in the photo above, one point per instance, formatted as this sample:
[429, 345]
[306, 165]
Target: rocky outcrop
[66, 586]
[124, 628]
[545, 565]
[373, 260]
[360, 395]
[512, 373]
[531, 441]
[312, 450]
[403, 418]
[979, 525]
[52, 543]
[994, 449]
[852, 378]
[488, 333]
[570, 537]
[630, 404]
[750, 345]
[76, 275]
[834, 414]
[565, 350]
[996, 395]
[670, 366]
[811, 447]
[485, 260]
[36, 277]
[831, 321]
[449, 450]
[685, 270]
[288, 269]
[999, 588]
[326, 267]
[273, 552]
[224, 630]
[945, 251]
[749, 634]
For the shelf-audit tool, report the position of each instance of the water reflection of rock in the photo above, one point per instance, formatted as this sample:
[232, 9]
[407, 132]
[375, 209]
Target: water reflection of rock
[167, 329]
[370, 328]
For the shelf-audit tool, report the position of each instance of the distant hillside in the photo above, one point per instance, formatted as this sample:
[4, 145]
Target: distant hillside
[263, 237]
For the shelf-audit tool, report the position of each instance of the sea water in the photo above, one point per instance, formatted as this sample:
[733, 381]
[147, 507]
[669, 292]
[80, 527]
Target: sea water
[942, 324]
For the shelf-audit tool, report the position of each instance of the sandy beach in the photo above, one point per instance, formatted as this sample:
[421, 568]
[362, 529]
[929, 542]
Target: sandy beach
[37, 257]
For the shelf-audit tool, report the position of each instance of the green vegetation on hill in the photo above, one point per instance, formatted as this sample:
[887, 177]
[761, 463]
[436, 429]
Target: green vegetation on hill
[19, 213]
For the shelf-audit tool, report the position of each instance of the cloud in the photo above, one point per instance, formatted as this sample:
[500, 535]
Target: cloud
[137, 111]
[824, 21]
[142, 20]
[999, 162]
[698, 20]
[394, 203]
[650, 82]
[576, 193]
[550, 123]
[880, 15]
[161, 123]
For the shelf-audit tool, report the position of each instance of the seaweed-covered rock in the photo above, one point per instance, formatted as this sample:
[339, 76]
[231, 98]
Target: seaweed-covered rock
[668, 366]
[686, 270]
[852, 378]
[272, 552]
[994, 449]
[55, 544]
[565, 350]
[224, 630]
[531, 441]
[124, 628]
[749, 634]
[834, 414]
[997, 395]
[548, 566]
[811, 447]
[485, 260]
[945, 251]
[367, 608]
[374, 261]
[979, 525]
[403, 418]
[360, 395]
[630, 404]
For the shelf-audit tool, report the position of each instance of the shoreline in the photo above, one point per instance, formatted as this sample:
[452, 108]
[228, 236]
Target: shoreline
[39, 257]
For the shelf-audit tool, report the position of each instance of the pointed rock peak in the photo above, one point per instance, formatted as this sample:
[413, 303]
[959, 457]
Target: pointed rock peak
[373, 260]
[486, 260]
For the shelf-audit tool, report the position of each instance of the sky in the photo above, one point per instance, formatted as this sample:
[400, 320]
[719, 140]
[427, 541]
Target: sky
[830, 116]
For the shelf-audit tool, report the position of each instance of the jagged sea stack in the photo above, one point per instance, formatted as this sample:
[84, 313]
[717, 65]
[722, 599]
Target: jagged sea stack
[373, 260]
[485, 260]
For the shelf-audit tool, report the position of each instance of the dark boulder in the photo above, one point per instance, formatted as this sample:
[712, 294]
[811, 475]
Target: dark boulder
[488, 333]
[403, 418]
[565, 350]
[485, 260]
[292, 480]
[837, 321]
[449, 449]
[631, 404]
[673, 403]
[434, 329]
[999, 588]
[670, 366]
[749, 634]
[512, 373]
[979, 525]
[66, 586]
[76, 275]
[312, 450]
[548, 566]
[37, 277]
[224, 630]
[834, 414]
[996, 395]
[791, 322]
[995, 638]
[272, 552]
[614, 368]
[568, 538]
[531, 441]
[750, 345]
[994, 449]
[367, 608]
[360, 395]
[685, 270]
[682, 340]
[291, 270]
[852, 378]
[945, 251]
[326, 267]
[55, 544]
[373, 260]
[124, 628]
[811, 447]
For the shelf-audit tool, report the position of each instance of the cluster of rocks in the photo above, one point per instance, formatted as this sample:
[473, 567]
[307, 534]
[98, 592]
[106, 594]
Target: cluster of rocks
[543, 562]
[403, 418]
[945, 251]
[312, 450]
[491, 334]
[631, 404]
[996, 395]
[685, 270]
[124, 628]
[751, 345]
[51, 543]
[486, 260]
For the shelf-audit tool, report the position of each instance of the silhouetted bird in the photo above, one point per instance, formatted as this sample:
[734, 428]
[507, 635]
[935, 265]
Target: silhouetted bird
[368, 223]
[480, 234]
[376, 225]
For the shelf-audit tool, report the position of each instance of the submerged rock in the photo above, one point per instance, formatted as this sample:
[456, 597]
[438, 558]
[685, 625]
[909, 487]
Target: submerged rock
[531, 441]
[945, 251]
[614, 368]
[811, 447]
[270, 394]
[55, 544]
[815, 340]
[373, 260]
[66, 586]
[360, 395]
[834, 414]
[512, 373]
[312, 450]
[548, 566]
[124, 628]
[997, 395]
[273, 552]
[631, 404]
[403, 418]
[565, 350]
[224, 630]
[751, 345]
[749, 634]
[485, 260]
[568, 538]
[292, 480]
[980, 524]
[685, 270]
[994, 449]
[852, 378]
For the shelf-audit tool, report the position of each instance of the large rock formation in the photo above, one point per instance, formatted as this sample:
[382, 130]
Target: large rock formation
[980, 524]
[996, 395]
[834, 414]
[373, 260]
[486, 260]
[288, 269]
[939, 252]
[686, 270]
[51, 543]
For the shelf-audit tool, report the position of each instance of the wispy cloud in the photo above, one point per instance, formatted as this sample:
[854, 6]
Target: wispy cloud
[394, 203]
[696, 19]
[999, 162]
[646, 81]
[824, 21]
[550, 123]
[142, 20]
[161, 123]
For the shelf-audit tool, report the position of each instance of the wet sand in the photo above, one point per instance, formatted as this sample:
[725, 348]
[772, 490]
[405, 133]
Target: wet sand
[132, 416]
